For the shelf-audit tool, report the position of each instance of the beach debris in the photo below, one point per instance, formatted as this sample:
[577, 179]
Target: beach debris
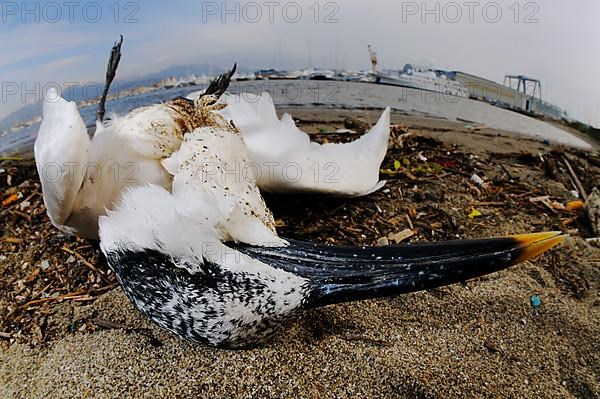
[401, 236]
[401, 167]
[13, 240]
[382, 242]
[45, 265]
[398, 134]
[12, 198]
[575, 178]
[471, 125]
[595, 241]
[574, 205]
[353, 123]
[478, 180]
[474, 214]
[550, 204]
[592, 207]
[535, 301]
[397, 128]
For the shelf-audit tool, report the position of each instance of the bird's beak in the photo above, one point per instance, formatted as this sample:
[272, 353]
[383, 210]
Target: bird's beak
[537, 243]
[341, 274]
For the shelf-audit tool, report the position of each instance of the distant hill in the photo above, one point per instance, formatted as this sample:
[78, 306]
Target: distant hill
[26, 113]
[77, 94]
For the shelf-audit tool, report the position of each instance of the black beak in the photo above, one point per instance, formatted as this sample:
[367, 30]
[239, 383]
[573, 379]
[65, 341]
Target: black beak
[343, 274]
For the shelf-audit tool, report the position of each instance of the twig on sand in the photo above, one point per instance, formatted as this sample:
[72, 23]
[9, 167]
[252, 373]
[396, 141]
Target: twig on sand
[11, 159]
[77, 295]
[575, 179]
[82, 259]
[507, 172]
[110, 324]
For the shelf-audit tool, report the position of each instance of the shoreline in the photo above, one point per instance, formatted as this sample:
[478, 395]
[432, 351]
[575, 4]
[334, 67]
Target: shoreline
[352, 95]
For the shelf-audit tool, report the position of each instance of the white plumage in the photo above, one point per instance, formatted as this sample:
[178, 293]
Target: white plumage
[292, 163]
[143, 147]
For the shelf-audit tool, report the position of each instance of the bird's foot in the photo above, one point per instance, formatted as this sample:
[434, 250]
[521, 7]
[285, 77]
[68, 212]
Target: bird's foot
[111, 72]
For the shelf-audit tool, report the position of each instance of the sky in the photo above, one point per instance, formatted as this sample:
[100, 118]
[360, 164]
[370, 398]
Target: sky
[67, 42]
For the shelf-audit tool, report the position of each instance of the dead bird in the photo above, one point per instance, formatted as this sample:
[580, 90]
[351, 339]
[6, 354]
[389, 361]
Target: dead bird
[204, 260]
[197, 252]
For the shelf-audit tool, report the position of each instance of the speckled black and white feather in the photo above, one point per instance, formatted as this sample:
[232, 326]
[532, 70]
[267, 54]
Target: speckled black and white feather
[215, 305]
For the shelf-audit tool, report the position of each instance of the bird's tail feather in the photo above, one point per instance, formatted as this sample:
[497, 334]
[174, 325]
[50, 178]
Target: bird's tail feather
[342, 274]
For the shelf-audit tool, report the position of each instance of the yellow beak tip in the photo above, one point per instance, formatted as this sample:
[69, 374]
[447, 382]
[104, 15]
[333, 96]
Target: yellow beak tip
[537, 243]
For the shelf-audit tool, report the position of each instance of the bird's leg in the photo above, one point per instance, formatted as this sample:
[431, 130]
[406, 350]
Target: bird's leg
[216, 88]
[111, 72]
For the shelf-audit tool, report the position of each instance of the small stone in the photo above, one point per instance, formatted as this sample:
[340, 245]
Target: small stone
[491, 346]
[383, 241]
[71, 259]
[45, 265]
[352, 122]
[24, 205]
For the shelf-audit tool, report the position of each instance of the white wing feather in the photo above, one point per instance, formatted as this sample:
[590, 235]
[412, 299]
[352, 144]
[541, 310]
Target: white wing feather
[290, 162]
[61, 151]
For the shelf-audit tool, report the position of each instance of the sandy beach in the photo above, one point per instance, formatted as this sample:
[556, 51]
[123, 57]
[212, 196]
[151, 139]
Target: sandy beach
[473, 340]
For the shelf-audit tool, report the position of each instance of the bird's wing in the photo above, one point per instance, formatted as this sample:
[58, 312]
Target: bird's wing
[216, 179]
[61, 152]
[290, 162]
[124, 152]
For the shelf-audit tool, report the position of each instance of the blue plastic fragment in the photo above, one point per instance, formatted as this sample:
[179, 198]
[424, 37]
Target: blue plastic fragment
[535, 301]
